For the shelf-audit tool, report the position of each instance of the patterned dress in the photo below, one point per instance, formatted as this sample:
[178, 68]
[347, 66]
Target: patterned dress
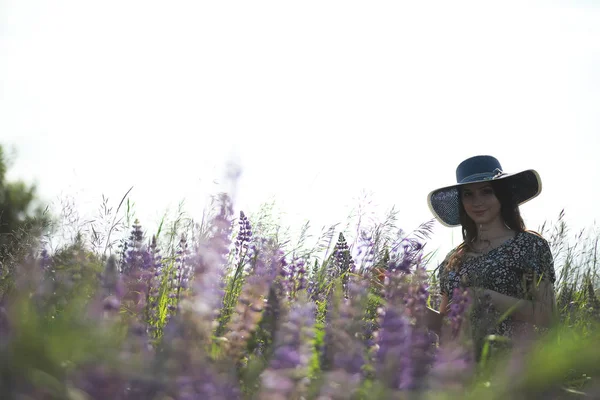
[510, 269]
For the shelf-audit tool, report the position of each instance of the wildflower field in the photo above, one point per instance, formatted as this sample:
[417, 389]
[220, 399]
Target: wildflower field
[230, 307]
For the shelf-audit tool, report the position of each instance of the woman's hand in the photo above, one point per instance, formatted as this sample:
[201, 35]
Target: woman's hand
[433, 319]
[539, 311]
[477, 295]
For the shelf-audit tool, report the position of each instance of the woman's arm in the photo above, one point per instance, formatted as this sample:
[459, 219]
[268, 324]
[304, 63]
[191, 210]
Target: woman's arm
[540, 308]
[433, 319]
[539, 311]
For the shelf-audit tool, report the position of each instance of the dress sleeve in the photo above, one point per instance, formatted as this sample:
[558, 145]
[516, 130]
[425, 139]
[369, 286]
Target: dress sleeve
[540, 266]
[443, 275]
[443, 278]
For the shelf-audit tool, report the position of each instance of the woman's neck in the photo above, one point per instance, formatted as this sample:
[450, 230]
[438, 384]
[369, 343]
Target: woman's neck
[492, 230]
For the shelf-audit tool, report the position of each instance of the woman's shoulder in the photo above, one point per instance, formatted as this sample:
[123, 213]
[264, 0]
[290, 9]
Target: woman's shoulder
[533, 234]
[539, 255]
[443, 266]
[534, 238]
[452, 253]
[445, 273]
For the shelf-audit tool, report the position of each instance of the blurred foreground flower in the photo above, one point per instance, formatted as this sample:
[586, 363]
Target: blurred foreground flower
[287, 374]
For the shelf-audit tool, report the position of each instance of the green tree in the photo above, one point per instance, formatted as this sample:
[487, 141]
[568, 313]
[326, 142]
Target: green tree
[20, 220]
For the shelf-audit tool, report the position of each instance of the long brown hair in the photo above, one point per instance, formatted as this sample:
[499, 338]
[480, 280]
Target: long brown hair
[509, 211]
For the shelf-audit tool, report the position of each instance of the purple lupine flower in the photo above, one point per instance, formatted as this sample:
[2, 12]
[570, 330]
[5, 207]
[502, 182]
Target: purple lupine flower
[182, 272]
[45, 260]
[410, 347]
[285, 272]
[404, 255]
[314, 283]
[416, 293]
[393, 357]
[275, 307]
[210, 260]
[420, 354]
[122, 252]
[243, 248]
[351, 313]
[400, 261]
[244, 254]
[344, 352]
[132, 288]
[293, 276]
[155, 256]
[285, 376]
[137, 256]
[401, 283]
[285, 278]
[298, 271]
[343, 264]
[458, 309]
[452, 369]
[251, 301]
[185, 365]
[137, 269]
[155, 286]
[342, 259]
[300, 275]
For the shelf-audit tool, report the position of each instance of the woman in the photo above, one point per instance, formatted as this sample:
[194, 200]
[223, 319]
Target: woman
[504, 268]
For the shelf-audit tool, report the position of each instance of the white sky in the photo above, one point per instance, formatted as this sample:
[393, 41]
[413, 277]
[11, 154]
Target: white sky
[317, 100]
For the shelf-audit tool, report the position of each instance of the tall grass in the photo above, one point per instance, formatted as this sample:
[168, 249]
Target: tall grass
[234, 306]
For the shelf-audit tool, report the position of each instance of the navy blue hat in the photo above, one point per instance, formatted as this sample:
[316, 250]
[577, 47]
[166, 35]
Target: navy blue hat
[444, 202]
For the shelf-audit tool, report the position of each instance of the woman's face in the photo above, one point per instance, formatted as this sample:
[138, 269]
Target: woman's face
[480, 202]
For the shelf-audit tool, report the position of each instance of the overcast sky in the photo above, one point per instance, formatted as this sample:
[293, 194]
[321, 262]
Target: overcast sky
[317, 101]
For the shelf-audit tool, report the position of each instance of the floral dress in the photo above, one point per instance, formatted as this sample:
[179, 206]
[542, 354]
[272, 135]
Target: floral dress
[510, 269]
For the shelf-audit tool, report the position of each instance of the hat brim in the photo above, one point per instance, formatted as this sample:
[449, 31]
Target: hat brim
[444, 202]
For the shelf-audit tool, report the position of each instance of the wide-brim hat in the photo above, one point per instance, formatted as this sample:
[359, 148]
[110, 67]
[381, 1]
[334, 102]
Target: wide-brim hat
[444, 202]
